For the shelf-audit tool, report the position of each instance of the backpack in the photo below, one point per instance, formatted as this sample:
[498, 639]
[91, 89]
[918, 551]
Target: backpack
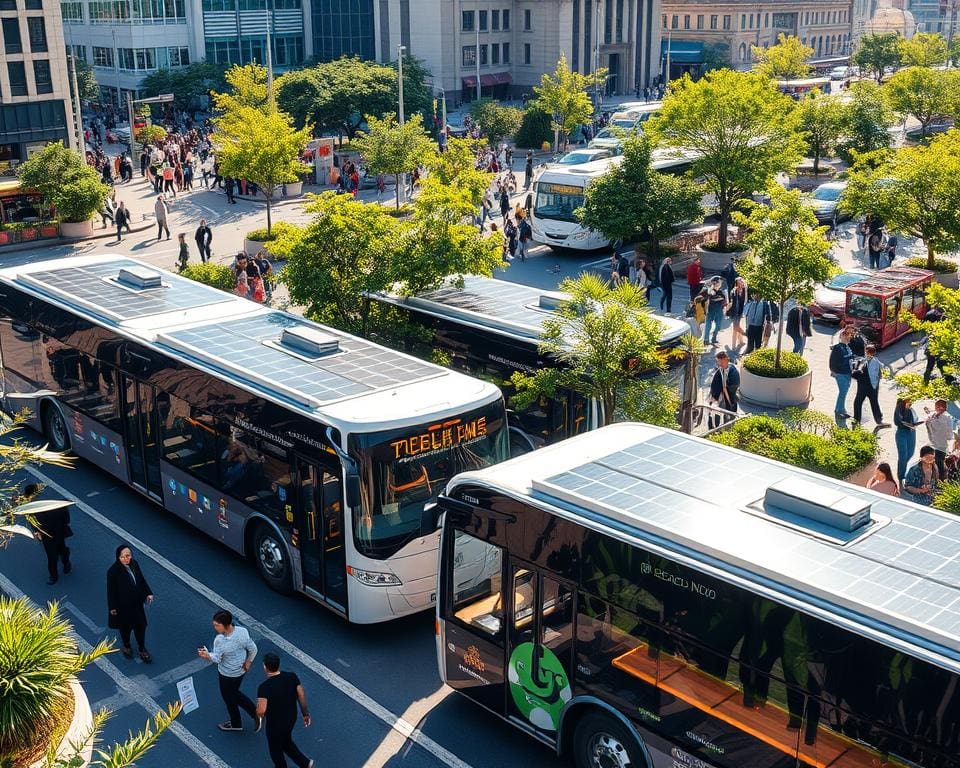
[858, 368]
[525, 230]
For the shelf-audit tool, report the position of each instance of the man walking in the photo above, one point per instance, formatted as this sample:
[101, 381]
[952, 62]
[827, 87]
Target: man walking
[160, 211]
[52, 531]
[666, 278]
[941, 430]
[724, 385]
[868, 387]
[277, 699]
[716, 301]
[233, 653]
[755, 314]
[526, 232]
[798, 327]
[121, 218]
[228, 185]
[528, 170]
[695, 277]
[203, 236]
[840, 357]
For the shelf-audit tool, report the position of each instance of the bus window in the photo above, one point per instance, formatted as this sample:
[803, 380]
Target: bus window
[524, 606]
[477, 582]
[867, 307]
[557, 201]
[256, 474]
[191, 440]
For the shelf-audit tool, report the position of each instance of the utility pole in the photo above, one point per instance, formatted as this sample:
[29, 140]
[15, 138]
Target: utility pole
[476, 26]
[954, 5]
[596, 63]
[116, 71]
[400, 51]
[77, 119]
[269, 61]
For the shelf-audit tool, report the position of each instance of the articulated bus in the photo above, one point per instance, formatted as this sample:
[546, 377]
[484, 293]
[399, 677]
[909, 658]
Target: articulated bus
[558, 192]
[316, 454]
[639, 597]
[491, 329]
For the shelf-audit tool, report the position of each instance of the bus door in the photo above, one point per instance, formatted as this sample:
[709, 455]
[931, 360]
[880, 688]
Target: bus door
[141, 435]
[893, 326]
[318, 524]
[539, 649]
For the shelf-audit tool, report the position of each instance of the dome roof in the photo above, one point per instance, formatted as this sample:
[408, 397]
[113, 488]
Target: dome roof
[889, 19]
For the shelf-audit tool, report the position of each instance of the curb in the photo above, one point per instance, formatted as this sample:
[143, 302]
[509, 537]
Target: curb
[97, 235]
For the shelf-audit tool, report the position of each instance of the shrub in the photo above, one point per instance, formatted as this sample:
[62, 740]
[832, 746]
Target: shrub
[78, 200]
[534, 130]
[811, 442]
[730, 247]
[948, 498]
[279, 229]
[215, 275]
[940, 266]
[761, 362]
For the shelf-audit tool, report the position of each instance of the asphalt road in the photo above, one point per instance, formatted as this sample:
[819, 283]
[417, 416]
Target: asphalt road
[374, 691]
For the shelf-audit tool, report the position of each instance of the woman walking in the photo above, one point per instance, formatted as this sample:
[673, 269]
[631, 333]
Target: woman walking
[738, 300]
[127, 591]
[905, 437]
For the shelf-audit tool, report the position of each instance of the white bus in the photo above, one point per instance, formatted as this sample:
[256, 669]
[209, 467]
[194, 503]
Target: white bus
[559, 192]
[317, 454]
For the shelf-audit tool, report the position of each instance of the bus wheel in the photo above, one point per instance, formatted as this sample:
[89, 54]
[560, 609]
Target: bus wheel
[602, 742]
[272, 559]
[55, 429]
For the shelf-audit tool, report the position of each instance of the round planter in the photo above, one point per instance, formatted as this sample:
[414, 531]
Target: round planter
[775, 393]
[713, 261]
[294, 189]
[76, 228]
[79, 731]
[253, 247]
[947, 279]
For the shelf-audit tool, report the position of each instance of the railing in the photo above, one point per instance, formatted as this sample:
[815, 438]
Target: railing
[704, 420]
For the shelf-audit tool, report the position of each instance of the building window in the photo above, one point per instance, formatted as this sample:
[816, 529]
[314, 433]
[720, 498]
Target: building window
[506, 19]
[8, 5]
[102, 57]
[726, 22]
[180, 57]
[506, 53]
[495, 54]
[714, 20]
[483, 20]
[41, 76]
[72, 12]
[743, 52]
[664, 21]
[686, 22]
[223, 51]
[483, 55]
[469, 55]
[79, 52]
[287, 51]
[107, 11]
[495, 20]
[17, 73]
[34, 5]
[700, 21]
[11, 35]
[37, 29]
[527, 25]
[466, 21]
[743, 21]
[675, 22]
[526, 53]
[165, 11]
[766, 20]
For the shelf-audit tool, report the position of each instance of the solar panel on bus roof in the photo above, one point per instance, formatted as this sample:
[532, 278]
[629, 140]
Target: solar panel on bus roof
[498, 299]
[905, 573]
[92, 286]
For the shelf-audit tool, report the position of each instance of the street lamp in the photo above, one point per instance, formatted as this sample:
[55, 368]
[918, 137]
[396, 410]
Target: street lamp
[476, 26]
[400, 51]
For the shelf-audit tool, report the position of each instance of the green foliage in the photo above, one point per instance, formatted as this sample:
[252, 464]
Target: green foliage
[875, 53]
[927, 94]
[940, 266]
[456, 166]
[762, 362]
[150, 134]
[632, 200]
[246, 88]
[865, 119]
[86, 81]
[924, 49]
[564, 96]
[395, 149]
[787, 60]
[947, 498]
[534, 129]
[788, 253]
[912, 385]
[743, 129]
[592, 336]
[187, 84]
[648, 402]
[808, 442]
[417, 93]
[496, 121]
[915, 193]
[821, 120]
[64, 181]
[716, 56]
[943, 337]
[216, 275]
[279, 229]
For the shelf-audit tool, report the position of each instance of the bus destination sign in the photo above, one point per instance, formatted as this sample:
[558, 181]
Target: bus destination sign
[559, 189]
[447, 434]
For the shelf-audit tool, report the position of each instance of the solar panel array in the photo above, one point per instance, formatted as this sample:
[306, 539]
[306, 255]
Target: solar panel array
[904, 573]
[93, 287]
[239, 347]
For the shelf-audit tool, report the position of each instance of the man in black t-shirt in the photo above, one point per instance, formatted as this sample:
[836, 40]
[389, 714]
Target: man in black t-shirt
[277, 699]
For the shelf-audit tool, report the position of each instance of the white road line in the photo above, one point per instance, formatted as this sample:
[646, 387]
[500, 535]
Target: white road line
[153, 685]
[84, 619]
[397, 723]
[131, 689]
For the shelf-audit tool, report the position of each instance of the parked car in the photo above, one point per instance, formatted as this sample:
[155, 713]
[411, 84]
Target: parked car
[830, 299]
[841, 73]
[824, 199]
[581, 156]
[608, 138]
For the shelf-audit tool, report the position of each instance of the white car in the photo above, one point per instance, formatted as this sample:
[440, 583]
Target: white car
[824, 199]
[581, 156]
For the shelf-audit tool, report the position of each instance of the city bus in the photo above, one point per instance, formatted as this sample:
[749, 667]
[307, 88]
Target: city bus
[559, 192]
[491, 329]
[639, 597]
[316, 454]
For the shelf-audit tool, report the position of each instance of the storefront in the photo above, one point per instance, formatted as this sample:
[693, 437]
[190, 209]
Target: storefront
[28, 127]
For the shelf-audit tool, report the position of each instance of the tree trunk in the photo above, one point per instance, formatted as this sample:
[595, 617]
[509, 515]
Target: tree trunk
[609, 406]
[931, 255]
[816, 162]
[776, 357]
[397, 177]
[269, 204]
[364, 315]
[724, 208]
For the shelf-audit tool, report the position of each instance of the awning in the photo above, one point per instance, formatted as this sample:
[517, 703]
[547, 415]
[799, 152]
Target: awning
[682, 51]
[497, 78]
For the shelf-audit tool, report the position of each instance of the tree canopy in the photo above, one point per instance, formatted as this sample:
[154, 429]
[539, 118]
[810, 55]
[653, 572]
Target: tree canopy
[927, 94]
[742, 129]
[189, 85]
[456, 167]
[395, 149]
[496, 121]
[787, 60]
[64, 181]
[86, 81]
[246, 87]
[875, 53]
[865, 119]
[564, 96]
[924, 49]
[821, 121]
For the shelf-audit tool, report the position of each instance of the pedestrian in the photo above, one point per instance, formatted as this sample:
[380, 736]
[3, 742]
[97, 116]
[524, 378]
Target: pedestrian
[694, 277]
[107, 211]
[773, 317]
[122, 219]
[840, 358]
[168, 177]
[934, 360]
[941, 429]
[857, 345]
[504, 203]
[277, 699]
[184, 255]
[52, 531]
[875, 248]
[106, 174]
[228, 187]
[233, 653]
[510, 233]
[525, 232]
[621, 269]
[266, 272]
[203, 236]
[863, 230]
[247, 272]
[906, 422]
[698, 312]
[755, 316]
[528, 170]
[729, 274]
[923, 479]
[127, 593]
[892, 244]
[666, 278]
[724, 384]
[867, 377]
[883, 480]
[716, 301]
[381, 185]
[486, 207]
[160, 211]
[735, 308]
[798, 327]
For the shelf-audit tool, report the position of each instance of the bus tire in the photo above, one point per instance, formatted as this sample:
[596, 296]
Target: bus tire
[272, 559]
[55, 428]
[600, 741]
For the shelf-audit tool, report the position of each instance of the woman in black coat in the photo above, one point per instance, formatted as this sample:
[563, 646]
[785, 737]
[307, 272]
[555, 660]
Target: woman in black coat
[127, 591]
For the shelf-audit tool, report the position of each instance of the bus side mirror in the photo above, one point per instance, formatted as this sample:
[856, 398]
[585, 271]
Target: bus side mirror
[353, 490]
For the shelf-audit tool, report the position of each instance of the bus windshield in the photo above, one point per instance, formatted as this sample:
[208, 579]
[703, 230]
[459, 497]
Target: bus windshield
[557, 201]
[403, 470]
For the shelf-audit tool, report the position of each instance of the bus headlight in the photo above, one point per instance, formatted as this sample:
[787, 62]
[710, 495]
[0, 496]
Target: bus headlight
[374, 578]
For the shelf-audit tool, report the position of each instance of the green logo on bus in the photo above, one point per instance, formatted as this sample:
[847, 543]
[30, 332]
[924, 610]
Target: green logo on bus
[540, 701]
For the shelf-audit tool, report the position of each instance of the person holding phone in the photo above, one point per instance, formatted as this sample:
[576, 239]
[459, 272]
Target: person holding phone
[233, 653]
[923, 480]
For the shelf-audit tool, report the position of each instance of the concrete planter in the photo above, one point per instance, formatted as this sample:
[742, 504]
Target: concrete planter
[775, 393]
[294, 189]
[79, 730]
[713, 261]
[253, 247]
[947, 279]
[76, 228]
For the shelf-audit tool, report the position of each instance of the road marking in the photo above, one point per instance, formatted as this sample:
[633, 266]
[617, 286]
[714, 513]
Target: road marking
[89, 623]
[130, 688]
[397, 723]
[153, 685]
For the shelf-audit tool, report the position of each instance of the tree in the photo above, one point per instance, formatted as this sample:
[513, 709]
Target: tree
[943, 340]
[456, 167]
[262, 147]
[915, 193]
[865, 119]
[496, 120]
[150, 134]
[741, 128]
[787, 60]
[788, 252]
[592, 336]
[395, 149]
[821, 121]
[563, 95]
[191, 85]
[927, 94]
[86, 81]
[417, 94]
[876, 53]
[633, 201]
[715, 56]
[924, 49]
[535, 128]
[247, 88]
[65, 182]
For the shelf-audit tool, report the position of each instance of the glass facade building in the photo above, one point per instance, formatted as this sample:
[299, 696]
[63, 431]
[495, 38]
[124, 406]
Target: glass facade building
[343, 28]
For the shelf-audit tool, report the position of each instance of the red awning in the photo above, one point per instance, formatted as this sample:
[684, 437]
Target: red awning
[497, 78]
[470, 82]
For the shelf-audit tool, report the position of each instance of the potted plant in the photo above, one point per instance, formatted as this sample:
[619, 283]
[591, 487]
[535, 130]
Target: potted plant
[28, 231]
[6, 235]
[49, 229]
[77, 201]
[787, 259]
[256, 239]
